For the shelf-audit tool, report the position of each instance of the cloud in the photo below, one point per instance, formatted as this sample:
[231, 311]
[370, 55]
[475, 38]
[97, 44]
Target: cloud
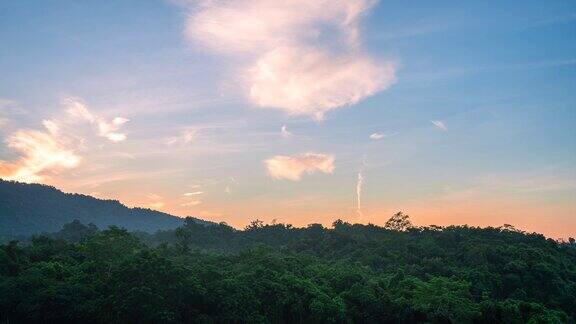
[293, 167]
[46, 152]
[52, 126]
[232, 184]
[303, 57]
[155, 205]
[285, 132]
[11, 107]
[440, 125]
[108, 130]
[191, 203]
[8, 110]
[77, 109]
[184, 138]
[154, 196]
[377, 136]
[155, 201]
[309, 81]
[195, 193]
[40, 153]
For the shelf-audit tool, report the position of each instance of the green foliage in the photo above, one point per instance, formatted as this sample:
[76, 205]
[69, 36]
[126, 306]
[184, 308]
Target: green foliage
[277, 273]
[398, 222]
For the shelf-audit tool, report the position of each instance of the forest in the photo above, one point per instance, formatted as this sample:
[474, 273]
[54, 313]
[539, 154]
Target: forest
[278, 273]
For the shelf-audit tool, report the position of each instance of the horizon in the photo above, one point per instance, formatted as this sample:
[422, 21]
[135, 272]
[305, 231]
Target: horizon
[453, 113]
[328, 225]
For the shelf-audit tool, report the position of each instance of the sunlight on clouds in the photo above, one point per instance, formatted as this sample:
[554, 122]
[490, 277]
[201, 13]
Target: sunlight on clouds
[303, 64]
[195, 193]
[54, 149]
[307, 81]
[155, 205]
[155, 201]
[52, 127]
[40, 153]
[293, 167]
[260, 25]
[109, 130]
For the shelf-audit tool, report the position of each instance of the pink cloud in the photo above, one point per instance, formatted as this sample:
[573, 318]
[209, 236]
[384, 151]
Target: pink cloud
[310, 81]
[303, 57]
[109, 130]
[293, 167]
[41, 153]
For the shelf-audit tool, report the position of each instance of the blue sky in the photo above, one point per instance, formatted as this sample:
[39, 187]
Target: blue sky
[499, 77]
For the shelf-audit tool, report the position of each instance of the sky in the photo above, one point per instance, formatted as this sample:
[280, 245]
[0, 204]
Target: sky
[307, 111]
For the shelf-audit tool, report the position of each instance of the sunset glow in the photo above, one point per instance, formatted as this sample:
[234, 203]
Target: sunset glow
[301, 111]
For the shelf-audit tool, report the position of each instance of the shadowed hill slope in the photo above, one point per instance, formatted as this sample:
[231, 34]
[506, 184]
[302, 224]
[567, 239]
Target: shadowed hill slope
[33, 208]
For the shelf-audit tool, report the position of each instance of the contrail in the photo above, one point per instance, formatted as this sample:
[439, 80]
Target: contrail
[359, 184]
[359, 194]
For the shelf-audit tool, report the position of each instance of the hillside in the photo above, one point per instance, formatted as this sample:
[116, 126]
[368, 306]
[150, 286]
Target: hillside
[33, 208]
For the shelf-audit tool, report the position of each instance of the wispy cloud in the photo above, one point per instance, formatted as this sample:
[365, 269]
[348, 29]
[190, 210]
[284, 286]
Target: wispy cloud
[8, 110]
[155, 205]
[302, 64]
[77, 109]
[560, 19]
[285, 132]
[195, 193]
[439, 124]
[185, 137]
[3, 122]
[154, 201]
[191, 203]
[11, 107]
[529, 183]
[154, 196]
[293, 167]
[377, 136]
[415, 30]
[232, 184]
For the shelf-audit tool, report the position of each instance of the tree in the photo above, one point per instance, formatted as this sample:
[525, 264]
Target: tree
[184, 238]
[254, 225]
[398, 222]
[75, 231]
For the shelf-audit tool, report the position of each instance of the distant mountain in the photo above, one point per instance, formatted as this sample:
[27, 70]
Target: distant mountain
[33, 208]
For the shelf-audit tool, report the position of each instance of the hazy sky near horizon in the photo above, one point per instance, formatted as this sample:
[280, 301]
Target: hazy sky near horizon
[302, 111]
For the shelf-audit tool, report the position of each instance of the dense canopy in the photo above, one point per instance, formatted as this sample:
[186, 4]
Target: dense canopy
[278, 273]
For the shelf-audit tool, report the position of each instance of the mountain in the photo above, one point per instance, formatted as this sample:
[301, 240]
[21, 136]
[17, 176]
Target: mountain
[33, 208]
